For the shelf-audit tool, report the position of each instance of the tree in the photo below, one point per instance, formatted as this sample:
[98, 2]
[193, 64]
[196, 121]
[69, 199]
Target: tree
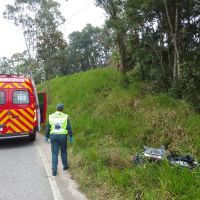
[115, 12]
[50, 44]
[163, 31]
[87, 49]
[37, 19]
[5, 66]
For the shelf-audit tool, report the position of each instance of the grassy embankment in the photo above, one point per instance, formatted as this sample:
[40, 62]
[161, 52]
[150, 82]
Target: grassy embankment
[113, 123]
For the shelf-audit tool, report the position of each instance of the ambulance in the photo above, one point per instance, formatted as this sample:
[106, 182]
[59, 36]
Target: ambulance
[22, 109]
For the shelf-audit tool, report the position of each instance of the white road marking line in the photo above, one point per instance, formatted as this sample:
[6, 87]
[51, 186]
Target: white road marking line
[56, 192]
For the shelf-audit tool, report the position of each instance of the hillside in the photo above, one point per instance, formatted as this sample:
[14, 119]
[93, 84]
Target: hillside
[112, 123]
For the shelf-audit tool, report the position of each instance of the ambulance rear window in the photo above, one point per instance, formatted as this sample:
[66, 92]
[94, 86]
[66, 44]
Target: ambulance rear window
[2, 98]
[20, 97]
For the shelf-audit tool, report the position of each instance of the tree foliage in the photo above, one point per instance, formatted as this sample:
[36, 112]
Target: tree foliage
[50, 44]
[87, 49]
[160, 39]
[39, 21]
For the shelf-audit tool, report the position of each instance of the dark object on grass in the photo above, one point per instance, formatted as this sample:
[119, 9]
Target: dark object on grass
[183, 161]
[157, 155]
[138, 159]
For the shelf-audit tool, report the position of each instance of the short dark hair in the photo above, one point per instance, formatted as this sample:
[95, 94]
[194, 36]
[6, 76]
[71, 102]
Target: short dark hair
[60, 107]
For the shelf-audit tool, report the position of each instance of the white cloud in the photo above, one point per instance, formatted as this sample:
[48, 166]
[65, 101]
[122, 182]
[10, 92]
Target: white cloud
[78, 13]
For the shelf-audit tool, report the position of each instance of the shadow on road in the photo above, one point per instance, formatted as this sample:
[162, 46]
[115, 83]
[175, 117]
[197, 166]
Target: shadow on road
[15, 143]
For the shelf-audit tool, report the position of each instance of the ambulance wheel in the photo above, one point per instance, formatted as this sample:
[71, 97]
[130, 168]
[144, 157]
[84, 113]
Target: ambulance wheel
[32, 137]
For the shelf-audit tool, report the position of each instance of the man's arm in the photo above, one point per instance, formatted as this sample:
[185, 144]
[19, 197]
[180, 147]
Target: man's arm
[69, 128]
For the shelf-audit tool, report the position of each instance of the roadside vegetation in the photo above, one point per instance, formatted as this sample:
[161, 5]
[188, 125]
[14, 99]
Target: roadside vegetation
[112, 120]
[114, 114]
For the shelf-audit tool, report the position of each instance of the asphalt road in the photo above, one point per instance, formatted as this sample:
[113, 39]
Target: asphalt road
[25, 173]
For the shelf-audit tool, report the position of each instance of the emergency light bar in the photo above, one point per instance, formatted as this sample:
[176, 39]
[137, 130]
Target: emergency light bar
[12, 80]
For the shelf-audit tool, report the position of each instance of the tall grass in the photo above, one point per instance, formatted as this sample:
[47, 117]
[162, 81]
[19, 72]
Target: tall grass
[112, 123]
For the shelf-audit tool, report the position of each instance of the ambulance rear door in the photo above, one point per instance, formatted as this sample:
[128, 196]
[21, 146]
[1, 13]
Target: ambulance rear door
[4, 109]
[43, 106]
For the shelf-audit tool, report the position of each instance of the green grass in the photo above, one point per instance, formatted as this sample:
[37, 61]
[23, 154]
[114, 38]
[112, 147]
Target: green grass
[112, 123]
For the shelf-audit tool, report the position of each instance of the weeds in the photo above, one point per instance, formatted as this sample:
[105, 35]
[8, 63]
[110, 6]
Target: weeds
[111, 124]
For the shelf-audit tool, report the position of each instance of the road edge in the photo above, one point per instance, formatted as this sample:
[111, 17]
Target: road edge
[69, 184]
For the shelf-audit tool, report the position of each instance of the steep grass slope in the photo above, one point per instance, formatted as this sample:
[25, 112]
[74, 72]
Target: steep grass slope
[113, 123]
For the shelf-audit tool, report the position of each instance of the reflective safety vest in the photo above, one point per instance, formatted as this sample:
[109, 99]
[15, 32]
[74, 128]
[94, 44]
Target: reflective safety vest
[58, 123]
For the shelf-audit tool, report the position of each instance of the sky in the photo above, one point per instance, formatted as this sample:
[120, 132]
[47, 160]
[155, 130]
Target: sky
[77, 13]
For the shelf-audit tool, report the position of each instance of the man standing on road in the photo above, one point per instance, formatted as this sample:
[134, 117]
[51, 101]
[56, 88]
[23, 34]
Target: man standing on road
[58, 128]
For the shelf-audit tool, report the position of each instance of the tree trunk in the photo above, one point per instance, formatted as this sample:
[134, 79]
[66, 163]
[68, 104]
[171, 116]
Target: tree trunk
[122, 51]
[173, 32]
[176, 43]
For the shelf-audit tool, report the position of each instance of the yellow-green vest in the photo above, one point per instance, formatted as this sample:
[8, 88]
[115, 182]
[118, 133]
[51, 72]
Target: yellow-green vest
[58, 123]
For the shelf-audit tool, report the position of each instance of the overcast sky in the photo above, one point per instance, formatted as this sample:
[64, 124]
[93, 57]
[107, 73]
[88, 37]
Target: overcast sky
[76, 12]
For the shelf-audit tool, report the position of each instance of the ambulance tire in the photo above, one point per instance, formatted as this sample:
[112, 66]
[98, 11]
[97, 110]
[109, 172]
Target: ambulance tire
[32, 137]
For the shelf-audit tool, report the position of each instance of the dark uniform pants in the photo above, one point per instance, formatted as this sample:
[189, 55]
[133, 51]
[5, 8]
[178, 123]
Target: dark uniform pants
[58, 141]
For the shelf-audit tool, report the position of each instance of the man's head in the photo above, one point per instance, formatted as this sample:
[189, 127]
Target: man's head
[60, 107]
